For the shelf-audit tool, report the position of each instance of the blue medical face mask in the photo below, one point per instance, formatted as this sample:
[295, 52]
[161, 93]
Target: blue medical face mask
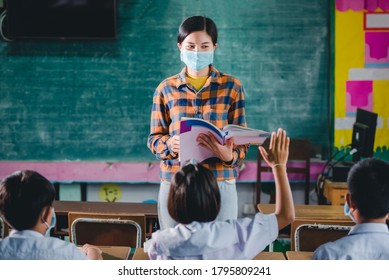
[52, 223]
[196, 60]
[347, 212]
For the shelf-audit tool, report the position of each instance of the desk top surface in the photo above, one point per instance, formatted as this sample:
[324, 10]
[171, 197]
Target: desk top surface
[140, 254]
[114, 252]
[270, 256]
[320, 212]
[298, 255]
[63, 207]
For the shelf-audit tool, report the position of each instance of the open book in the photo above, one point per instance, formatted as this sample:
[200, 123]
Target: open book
[190, 128]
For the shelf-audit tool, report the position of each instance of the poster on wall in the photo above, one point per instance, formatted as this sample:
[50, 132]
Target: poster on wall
[362, 69]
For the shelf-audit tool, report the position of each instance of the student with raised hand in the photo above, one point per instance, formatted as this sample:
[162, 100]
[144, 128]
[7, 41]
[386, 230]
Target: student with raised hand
[367, 204]
[194, 202]
[198, 91]
[26, 200]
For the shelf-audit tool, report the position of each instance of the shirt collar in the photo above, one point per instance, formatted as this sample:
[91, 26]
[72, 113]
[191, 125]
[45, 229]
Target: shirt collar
[369, 227]
[214, 77]
[25, 233]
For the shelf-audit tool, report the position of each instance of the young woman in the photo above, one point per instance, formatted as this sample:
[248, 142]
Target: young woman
[194, 202]
[199, 91]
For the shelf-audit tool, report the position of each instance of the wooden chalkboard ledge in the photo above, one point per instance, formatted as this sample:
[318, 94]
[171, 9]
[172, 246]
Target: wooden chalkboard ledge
[123, 172]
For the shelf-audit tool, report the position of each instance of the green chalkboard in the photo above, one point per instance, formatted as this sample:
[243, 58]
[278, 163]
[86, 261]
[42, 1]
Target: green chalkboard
[82, 100]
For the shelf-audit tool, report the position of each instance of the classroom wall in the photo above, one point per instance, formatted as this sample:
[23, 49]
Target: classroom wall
[362, 69]
[78, 111]
[90, 101]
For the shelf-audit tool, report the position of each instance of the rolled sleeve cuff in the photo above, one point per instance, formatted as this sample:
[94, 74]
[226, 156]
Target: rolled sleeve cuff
[234, 160]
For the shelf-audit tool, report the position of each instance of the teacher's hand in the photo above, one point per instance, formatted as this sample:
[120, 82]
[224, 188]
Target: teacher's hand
[174, 143]
[223, 152]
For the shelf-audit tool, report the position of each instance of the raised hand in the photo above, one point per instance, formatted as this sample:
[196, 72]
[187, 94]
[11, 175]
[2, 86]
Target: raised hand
[278, 149]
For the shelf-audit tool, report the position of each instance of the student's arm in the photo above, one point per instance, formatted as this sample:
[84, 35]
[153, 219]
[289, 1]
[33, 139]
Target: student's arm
[277, 158]
[92, 252]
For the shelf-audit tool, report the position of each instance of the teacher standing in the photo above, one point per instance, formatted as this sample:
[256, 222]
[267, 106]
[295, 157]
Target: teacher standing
[198, 91]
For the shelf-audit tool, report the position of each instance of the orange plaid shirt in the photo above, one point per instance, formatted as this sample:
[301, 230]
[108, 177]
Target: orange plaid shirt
[220, 101]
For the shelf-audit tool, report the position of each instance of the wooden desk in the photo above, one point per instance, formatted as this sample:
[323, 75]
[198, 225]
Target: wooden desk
[293, 255]
[141, 255]
[310, 214]
[269, 256]
[62, 208]
[335, 192]
[115, 252]
[322, 212]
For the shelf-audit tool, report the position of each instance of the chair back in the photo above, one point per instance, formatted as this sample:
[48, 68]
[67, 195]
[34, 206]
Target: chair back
[107, 229]
[308, 237]
[299, 161]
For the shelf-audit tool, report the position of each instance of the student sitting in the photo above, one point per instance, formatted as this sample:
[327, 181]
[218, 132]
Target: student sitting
[26, 199]
[367, 204]
[194, 202]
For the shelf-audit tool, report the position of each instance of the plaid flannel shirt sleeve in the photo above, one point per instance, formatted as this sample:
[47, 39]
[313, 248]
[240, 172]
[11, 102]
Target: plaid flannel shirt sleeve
[159, 129]
[237, 115]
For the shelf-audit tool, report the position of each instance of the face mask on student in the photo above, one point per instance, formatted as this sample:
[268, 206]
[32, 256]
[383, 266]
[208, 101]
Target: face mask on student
[52, 223]
[347, 212]
[196, 60]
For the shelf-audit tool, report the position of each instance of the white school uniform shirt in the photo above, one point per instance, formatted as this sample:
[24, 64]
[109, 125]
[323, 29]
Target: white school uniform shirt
[240, 239]
[31, 245]
[368, 241]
